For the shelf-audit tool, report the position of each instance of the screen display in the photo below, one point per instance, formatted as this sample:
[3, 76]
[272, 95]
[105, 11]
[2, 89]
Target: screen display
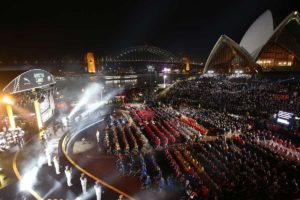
[285, 118]
[283, 121]
[45, 105]
[285, 115]
[47, 115]
[46, 110]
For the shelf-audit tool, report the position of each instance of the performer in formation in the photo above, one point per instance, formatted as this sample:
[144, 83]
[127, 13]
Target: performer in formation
[98, 136]
[56, 164]
[98, 140]
[83, 181]
[98, 190]
[48, 156]
[68, 172]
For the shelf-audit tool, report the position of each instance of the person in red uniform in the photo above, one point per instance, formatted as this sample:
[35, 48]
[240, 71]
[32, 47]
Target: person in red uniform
[205, 191]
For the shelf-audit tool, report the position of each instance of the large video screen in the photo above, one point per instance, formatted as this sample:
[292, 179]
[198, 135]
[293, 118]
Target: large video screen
[285, 118]
[46, 109]
[47, 115]
[45, 105]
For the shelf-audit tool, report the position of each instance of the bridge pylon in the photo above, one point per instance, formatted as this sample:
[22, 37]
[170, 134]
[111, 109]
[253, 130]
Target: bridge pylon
[186, 62]
[90, 60]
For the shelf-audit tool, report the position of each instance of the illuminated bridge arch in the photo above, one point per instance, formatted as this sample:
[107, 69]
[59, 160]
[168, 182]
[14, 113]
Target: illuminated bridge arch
[146, 53]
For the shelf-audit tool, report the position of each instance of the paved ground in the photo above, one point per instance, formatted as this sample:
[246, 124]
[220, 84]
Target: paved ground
[104, 167]
[9, 186]
[36, 174]
[7, 175]
[87, 156]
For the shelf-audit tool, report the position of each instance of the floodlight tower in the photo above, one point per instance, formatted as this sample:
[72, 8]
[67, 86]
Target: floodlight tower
[91, 66]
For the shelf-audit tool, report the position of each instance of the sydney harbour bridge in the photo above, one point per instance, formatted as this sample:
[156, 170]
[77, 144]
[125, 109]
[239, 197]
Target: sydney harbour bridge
[146, 55]
[133, 56]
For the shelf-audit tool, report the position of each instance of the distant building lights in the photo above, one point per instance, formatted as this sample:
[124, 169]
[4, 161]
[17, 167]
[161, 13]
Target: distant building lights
[238, 71]
[166, 70]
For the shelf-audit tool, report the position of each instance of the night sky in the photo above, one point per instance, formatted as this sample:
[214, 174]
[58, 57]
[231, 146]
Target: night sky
[40, 30]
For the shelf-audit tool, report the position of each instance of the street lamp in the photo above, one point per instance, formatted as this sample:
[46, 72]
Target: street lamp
[165, 76]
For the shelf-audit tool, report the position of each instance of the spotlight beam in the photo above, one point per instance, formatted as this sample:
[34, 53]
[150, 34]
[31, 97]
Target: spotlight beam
[88, 94]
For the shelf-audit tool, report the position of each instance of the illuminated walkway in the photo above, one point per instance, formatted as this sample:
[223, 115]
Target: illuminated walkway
[8, 179]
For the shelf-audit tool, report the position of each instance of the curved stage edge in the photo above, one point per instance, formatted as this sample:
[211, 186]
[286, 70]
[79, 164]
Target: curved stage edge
[65, 149]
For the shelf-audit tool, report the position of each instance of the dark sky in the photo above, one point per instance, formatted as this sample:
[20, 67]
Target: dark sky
[40, 30]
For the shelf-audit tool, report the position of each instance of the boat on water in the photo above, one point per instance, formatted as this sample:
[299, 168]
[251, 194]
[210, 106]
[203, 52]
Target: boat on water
[120, 77]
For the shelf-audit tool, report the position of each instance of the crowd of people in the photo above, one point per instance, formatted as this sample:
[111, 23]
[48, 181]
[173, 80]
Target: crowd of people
[167, 149]
[219, 121]
[139, 139]
[251, 162]
[252, 96]
[10, 138]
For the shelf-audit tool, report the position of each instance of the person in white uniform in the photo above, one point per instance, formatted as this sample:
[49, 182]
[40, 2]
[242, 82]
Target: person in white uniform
[83, 181]
[98, 139]
[98, 136]
[56, 164]
[48, 156]
[98, 190]
[68, 172]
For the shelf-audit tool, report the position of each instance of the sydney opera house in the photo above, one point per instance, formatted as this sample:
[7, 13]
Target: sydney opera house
[264, 47]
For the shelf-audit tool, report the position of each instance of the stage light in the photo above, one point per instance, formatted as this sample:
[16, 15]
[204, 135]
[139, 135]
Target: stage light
[88, 94]
[7, 100]
[29, 179]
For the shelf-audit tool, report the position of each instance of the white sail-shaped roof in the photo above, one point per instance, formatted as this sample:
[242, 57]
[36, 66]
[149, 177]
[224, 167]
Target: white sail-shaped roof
[284, 44]
[258, 33]
[225, 40]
